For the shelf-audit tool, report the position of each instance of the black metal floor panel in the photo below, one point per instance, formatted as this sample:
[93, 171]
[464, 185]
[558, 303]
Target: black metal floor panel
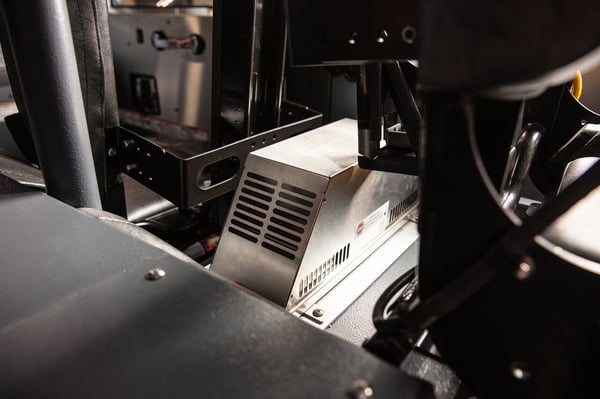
[356, 323]
[78, 319]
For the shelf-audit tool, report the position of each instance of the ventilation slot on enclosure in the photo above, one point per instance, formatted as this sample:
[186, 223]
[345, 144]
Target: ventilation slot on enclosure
[299, 190]
[252, 206]
[292, 208]
[278, 250]
[287, 226]
[263, 179]
[297, 200]
[282, 241]
[321, 272]
[399, 210]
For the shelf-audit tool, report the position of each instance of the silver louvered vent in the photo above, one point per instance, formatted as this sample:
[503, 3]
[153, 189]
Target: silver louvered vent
[292, 211]
[400, 209]
[276, 217]
[320, 273]
[252, 206]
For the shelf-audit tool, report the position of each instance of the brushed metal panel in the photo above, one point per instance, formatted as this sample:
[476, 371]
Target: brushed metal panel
[250, 264]
[322, 162]
[183, 79]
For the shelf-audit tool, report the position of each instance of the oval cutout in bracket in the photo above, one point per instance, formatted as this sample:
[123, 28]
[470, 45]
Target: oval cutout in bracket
[218, 173]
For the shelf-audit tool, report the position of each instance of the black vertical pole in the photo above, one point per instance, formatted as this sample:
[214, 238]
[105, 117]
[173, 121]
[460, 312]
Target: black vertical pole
[369, 109]
[37, 35]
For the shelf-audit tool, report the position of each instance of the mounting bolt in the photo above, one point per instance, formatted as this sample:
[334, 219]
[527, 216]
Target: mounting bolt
[352, 38]
[155, 274]
[360, 389]
[318, 312]
[127, 143]
[520, 371]
[130, 167]
[112, 152]
[382, 36]
[525, 269]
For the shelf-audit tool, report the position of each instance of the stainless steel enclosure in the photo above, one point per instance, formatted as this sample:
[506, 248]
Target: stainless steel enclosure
[304, 213]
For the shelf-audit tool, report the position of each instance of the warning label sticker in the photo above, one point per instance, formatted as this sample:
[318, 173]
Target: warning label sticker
[372, 226]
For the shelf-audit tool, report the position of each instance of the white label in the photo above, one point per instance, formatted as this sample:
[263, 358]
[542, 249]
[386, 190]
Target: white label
[372, 226]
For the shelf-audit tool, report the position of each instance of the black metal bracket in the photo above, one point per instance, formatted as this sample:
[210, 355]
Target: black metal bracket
[566, 119]
[389, 161]
[396, 333]
[376, 81]
[184, 178]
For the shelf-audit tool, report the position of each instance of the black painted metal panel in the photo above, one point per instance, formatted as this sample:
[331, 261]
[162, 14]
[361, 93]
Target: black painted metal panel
[78, 319]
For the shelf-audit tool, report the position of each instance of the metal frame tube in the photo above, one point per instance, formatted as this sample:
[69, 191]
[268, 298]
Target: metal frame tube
[37, 34]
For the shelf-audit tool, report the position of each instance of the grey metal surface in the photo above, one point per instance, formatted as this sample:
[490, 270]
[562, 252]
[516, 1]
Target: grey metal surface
[37, 34]
[333, 202]
[79, 319]
[21, 172]
[315, 152]
[141, 202]
[329, 306]
[183, 79]
[575, 169]
[355, 325]
[244, 260]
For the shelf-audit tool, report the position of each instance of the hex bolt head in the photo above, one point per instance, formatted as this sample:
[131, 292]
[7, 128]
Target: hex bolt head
[155, 274]
[318, 312]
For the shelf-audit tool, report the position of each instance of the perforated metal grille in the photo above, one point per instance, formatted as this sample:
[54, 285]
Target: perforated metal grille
[254, 201]
[399, 210]
[277, 216]
[321, 272]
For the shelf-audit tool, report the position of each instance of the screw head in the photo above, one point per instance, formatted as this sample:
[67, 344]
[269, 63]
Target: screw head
[382, 36]
[127, 143]
[520, 371]
[112, 152]
[360, 389]
[525, 268]
[352, 38]
[130, 167]
[155, 274]
[318, 312]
